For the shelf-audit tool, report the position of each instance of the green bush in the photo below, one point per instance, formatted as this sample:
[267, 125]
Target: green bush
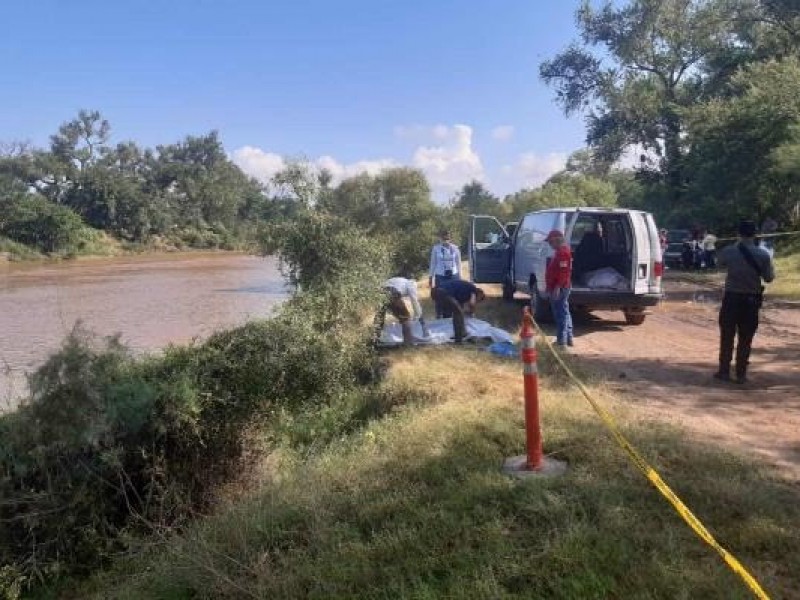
[108, 445]
[35, 221]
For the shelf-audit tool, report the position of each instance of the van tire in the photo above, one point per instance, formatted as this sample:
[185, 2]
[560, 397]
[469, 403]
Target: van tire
[540, 307]
[634, 318]
[508, 291]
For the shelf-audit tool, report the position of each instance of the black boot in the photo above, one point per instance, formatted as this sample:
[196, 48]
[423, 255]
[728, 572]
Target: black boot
[724, 373]
[741, 375]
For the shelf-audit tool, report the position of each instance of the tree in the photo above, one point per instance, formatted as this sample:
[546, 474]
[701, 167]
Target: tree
[200, 183]
[475, 199]
[637, 68]
[81, 142]
[575, 190]
[743, 160]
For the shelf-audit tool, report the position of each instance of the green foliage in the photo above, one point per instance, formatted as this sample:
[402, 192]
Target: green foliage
[564, 190]
[109, 445]
[705, 90]
[751, 137]
[34, 221]
[395, 206]
[475, 199]
[12, 250]
[316, 249]
[191, 186]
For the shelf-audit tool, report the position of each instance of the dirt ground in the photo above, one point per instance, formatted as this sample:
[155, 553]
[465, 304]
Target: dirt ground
[665, 365]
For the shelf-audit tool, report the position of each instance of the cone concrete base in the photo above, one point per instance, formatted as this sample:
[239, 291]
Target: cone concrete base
[517, 466]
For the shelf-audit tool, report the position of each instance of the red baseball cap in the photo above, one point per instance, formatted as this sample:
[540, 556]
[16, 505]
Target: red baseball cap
[555, 233]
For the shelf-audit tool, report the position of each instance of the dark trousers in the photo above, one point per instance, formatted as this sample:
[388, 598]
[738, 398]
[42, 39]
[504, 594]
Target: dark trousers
[442, 312]
[451, 306]
[738, 315]
[395, 305]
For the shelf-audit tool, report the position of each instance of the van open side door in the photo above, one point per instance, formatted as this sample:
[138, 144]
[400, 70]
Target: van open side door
[489, 250]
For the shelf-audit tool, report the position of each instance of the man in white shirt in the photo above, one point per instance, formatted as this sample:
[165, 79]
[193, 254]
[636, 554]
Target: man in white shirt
[396, 289]
[710, 250]
[445, 265]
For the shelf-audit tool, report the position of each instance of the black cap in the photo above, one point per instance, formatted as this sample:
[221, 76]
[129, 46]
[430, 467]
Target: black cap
[747, 228]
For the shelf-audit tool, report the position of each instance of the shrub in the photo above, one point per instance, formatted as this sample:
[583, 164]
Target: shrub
[48, 227]
[108, 445]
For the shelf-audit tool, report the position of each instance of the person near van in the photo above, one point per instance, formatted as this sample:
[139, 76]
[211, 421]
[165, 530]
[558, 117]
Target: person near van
[445, 265]
[396, 289]
[558, 281]
[459, 298]
[747, 265]
[663, 240]
[590, 252]
[768, 228]
[710, 250]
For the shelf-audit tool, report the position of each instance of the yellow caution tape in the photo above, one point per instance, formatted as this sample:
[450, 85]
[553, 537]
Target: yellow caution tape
[659, 483]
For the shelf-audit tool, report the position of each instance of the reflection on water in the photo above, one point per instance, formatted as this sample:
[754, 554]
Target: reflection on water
[151, 300]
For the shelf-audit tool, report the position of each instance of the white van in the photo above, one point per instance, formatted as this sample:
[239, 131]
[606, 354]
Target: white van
[616, 253]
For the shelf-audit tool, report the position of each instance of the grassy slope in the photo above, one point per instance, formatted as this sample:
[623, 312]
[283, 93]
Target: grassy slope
[787, 277]
[413, 505]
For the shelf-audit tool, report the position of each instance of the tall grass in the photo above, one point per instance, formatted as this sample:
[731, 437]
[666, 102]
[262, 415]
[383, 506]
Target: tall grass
[414, 505]
[787, 277]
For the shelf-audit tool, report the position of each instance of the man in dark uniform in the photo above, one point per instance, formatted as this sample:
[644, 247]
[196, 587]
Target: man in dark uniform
[747, 265]
[460, 297]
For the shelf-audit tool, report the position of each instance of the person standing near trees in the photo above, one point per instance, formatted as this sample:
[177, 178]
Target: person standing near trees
[710, 250]
[768, 229]
[445, 265]
[747, 265]
[558, 280]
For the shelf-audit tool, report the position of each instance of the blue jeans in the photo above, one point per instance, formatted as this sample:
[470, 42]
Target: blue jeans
[560, 306]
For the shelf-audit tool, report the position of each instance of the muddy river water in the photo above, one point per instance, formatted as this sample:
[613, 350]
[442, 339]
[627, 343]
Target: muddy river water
[150, 300]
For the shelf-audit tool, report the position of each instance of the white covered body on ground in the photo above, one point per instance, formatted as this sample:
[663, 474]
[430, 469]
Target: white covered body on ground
[441, 332]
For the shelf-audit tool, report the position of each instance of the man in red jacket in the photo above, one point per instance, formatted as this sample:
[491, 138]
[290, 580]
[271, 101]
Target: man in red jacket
[558, 279]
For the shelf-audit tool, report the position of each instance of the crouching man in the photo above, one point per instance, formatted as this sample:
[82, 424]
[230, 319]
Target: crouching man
[460, 297]
[396, 290]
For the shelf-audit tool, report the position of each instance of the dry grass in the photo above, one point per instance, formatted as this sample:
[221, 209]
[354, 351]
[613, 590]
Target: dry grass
[787, 277]
[414, 505]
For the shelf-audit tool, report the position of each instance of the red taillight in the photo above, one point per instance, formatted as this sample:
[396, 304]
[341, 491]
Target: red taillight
[658, 269]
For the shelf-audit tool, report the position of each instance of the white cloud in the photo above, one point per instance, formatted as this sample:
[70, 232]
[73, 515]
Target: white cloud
[503, 133]
[444, 153]
[532, 170]
[264, 165]
[342, 171]
[257, 163]
[452, 162]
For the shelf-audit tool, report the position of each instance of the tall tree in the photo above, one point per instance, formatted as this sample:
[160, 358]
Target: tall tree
[637, 67]
[475, 199]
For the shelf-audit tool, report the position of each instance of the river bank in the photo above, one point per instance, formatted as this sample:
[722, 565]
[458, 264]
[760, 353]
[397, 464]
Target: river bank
[151, 300]
[105, 246]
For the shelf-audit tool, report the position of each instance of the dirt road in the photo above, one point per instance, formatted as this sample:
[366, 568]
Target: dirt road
[665, 367]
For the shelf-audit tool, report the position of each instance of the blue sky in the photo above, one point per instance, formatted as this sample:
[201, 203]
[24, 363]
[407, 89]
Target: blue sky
[448, 86]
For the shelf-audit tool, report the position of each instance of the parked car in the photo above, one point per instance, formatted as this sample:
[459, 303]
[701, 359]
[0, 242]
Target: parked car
[620, 270]
[675, 240]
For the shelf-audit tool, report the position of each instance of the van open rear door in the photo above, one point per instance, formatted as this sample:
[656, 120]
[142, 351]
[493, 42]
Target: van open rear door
[489, 250]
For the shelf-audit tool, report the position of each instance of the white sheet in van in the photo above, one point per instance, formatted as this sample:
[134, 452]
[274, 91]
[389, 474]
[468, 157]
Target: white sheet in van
[606, 278]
